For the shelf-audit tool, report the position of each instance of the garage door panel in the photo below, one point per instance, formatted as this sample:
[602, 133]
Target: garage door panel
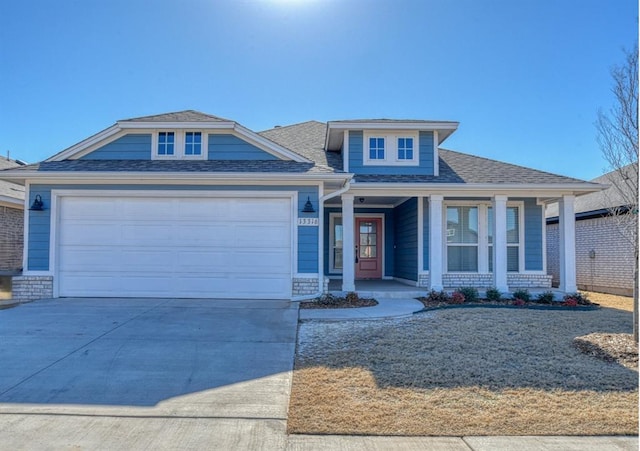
[175, 247]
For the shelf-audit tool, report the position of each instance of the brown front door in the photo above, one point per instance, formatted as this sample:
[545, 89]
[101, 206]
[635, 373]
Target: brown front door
[368, 248]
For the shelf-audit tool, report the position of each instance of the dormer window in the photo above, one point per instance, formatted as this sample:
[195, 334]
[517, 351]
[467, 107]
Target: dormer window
[376, 148]
[179, 145]
[391, 148]
[166, 141]
[193, 143]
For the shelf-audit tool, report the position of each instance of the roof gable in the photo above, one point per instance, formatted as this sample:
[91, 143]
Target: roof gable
[181, 120]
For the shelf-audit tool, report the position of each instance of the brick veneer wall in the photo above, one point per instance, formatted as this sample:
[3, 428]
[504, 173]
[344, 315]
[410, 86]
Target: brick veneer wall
[30, 288]
[11, 238]
[308, 286]
[611, 271]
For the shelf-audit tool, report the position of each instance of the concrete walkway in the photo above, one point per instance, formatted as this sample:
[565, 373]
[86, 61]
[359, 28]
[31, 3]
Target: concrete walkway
[386, 308]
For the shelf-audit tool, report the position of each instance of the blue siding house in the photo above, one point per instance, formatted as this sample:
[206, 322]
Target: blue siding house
[192, 205]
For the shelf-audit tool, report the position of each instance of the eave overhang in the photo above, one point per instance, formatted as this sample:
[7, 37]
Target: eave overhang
[336, 129]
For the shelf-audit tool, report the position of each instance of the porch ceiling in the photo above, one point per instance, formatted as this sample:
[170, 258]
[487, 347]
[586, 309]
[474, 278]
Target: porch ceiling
[369, 200]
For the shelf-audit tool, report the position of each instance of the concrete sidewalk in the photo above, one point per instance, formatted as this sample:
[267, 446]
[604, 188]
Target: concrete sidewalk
[386, 308]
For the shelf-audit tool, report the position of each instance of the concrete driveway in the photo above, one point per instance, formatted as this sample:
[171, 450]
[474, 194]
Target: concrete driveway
[146, 373]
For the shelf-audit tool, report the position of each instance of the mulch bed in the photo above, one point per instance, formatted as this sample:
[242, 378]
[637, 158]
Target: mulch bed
[613, 348]
[431, 305]
[329, 301]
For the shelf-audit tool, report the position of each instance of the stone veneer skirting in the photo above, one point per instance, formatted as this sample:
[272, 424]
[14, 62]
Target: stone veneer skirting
[424, 280]
[458, 280]
[304, 286]
[30, 288]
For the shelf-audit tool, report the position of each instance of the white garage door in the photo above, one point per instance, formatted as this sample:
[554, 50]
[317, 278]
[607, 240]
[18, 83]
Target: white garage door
[174, 247]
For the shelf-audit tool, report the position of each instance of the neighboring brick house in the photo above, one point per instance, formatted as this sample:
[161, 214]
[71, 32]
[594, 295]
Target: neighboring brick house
[11, 221]
[604, 256]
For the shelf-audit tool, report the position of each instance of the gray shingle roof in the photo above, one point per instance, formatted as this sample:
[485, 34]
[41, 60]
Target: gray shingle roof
[306, 139]
[220, 166]
[608, 198]
[179, 116]
[8, 189]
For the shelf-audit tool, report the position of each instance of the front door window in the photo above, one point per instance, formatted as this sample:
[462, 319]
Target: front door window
[368, 251]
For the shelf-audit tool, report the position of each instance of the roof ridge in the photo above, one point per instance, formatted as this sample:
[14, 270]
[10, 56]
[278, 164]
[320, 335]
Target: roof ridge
[196, 112]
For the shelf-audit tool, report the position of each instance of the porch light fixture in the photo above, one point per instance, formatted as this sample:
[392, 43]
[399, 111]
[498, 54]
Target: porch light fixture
[308, 206]
[37, 204]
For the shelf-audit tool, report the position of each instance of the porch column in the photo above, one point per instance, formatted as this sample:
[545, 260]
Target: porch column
[500, 242]
[348, 244]
[435, 242]
[567, 226]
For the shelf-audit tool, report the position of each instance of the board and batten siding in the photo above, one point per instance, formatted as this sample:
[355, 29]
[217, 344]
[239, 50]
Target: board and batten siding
[406, 240]
[356, 159]
[40, 221]
[133, 146]
[229, 147]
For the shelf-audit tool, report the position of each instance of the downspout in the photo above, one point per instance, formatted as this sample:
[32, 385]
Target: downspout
[345, 187]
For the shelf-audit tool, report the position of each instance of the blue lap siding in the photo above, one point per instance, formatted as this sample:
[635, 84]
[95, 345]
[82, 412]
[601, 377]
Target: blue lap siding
[406, 240]
[229, 147]
[134, 146]
[356, 161]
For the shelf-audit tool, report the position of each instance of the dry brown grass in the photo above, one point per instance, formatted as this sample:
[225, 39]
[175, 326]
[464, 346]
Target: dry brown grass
[462, 372]
[611, 300]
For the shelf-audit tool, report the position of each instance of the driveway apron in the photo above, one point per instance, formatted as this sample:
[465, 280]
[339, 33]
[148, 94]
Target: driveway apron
[146, 373]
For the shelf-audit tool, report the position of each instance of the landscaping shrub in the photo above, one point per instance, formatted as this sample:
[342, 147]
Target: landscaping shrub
[545, 298]
[328, 299]
[570, 302]
[457, 298]
[522, 294]
[493, 294]
[437, 296]
[470, 294]
[519, 302]
[579, 298]
[352, 297]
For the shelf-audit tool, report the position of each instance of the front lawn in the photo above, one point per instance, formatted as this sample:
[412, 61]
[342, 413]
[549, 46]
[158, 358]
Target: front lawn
[463, 372]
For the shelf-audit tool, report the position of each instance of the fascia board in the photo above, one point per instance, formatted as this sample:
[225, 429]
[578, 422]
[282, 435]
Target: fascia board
[520, 189]
[11, 202]
[82, 145]
[393, 125]
[133, 177]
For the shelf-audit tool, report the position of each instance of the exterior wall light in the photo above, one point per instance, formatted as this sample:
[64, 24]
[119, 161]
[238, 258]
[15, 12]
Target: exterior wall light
[37, 204]
[308, 206]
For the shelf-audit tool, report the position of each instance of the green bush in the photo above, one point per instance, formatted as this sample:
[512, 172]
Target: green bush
[545, 298]
[522, 294]
[470, 294]
[493, 294]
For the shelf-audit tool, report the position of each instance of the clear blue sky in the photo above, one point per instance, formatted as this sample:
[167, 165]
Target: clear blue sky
[524, 78]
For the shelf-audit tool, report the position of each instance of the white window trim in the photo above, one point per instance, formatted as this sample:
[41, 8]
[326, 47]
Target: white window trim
[483, 236]
[179, 145]
[390, 148]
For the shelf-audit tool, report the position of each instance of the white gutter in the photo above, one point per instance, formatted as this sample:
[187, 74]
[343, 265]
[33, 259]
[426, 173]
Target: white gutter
[123, 176]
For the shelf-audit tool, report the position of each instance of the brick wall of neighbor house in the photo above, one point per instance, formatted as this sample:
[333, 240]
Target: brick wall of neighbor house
[611, 269]
[11, 238]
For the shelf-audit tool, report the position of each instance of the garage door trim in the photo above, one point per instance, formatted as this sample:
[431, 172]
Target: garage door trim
[58, 194]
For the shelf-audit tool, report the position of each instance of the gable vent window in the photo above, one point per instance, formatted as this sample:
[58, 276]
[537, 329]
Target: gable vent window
[166, 142]
[180, 145]
[193, 143]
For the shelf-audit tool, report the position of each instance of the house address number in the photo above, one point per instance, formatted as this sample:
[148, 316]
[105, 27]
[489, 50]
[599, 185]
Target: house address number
[308, 221]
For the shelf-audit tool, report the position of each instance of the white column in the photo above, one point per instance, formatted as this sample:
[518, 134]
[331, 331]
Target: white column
[435, 241]
[348, 244]
[500, 242]
[567, 244]
[420, 236]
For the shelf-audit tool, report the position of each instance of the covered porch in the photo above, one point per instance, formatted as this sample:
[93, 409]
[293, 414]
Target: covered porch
[420, 241]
